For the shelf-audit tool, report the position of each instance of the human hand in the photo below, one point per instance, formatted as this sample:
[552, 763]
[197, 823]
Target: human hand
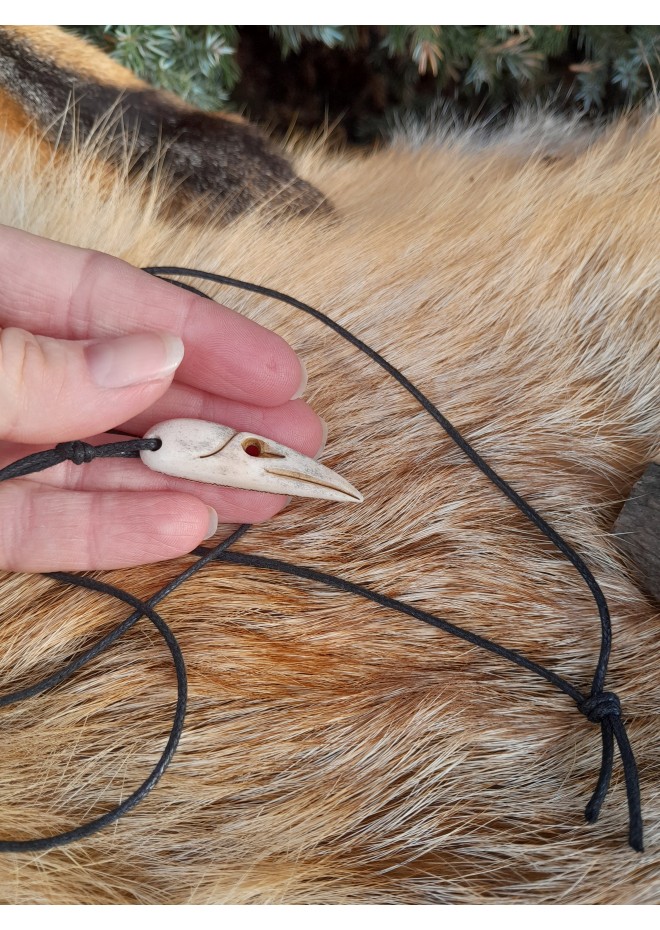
[89, 343]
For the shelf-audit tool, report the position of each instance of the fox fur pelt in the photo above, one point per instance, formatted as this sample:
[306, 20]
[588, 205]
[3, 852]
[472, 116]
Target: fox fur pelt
[335, 752]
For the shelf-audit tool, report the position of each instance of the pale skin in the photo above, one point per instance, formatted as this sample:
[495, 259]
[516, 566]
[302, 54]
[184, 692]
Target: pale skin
[88, 344]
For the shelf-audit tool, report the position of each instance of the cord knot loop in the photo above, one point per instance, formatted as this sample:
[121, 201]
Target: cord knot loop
[600, 705]
[77, 452]
[604, 708]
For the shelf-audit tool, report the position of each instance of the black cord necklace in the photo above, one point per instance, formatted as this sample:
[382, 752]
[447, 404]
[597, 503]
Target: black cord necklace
[598, 706]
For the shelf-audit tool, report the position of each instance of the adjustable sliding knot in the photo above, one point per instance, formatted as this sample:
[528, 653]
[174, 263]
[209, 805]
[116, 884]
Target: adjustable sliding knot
[77, 452]
[604, 708]
[601, 705]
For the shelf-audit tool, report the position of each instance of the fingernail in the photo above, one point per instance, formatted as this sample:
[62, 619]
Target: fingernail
[303, 384]
[116, 363]
[213, 523]
[323, 440]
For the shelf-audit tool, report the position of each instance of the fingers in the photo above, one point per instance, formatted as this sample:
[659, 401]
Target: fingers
[60, 291]
[55, 389]
[45, 529]
[90, 342]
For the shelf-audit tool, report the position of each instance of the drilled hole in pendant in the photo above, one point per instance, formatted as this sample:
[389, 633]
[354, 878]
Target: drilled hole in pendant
[252, 447]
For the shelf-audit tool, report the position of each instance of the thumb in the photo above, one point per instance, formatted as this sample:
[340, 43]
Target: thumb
[53, 390]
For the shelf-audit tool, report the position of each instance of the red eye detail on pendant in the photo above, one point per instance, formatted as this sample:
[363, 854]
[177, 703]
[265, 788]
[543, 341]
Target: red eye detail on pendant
[253, 448]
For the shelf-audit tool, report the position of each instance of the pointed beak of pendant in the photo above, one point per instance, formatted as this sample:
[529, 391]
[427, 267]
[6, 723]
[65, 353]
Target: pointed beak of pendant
[214, 454]
[296, 474]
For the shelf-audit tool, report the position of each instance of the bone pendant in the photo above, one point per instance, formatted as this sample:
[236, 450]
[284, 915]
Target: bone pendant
[214, 454]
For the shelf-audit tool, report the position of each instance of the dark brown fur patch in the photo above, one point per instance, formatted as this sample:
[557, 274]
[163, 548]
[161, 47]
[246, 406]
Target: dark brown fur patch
[222, 161]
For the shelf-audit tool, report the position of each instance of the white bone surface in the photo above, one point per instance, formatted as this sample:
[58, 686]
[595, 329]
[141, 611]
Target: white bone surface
[214, 454]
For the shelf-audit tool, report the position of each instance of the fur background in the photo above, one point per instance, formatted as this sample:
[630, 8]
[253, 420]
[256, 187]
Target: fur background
[333, 752]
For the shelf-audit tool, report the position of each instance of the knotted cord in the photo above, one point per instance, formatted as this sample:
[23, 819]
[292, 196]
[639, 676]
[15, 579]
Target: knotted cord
[80, 453]
[599, 706]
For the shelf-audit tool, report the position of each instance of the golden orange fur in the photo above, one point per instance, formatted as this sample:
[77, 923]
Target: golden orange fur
[334, 752]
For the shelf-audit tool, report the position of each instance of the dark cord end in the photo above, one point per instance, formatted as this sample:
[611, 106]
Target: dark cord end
[591, 812]
[637, 843]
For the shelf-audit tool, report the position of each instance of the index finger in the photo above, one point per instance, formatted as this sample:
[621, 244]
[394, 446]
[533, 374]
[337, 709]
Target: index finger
[59, 290]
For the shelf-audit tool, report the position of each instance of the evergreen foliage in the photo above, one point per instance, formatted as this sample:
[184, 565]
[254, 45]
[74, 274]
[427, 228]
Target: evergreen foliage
[481, 69]
[196, 62]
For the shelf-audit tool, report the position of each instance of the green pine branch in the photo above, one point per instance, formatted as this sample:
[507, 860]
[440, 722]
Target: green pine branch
[597, 68]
